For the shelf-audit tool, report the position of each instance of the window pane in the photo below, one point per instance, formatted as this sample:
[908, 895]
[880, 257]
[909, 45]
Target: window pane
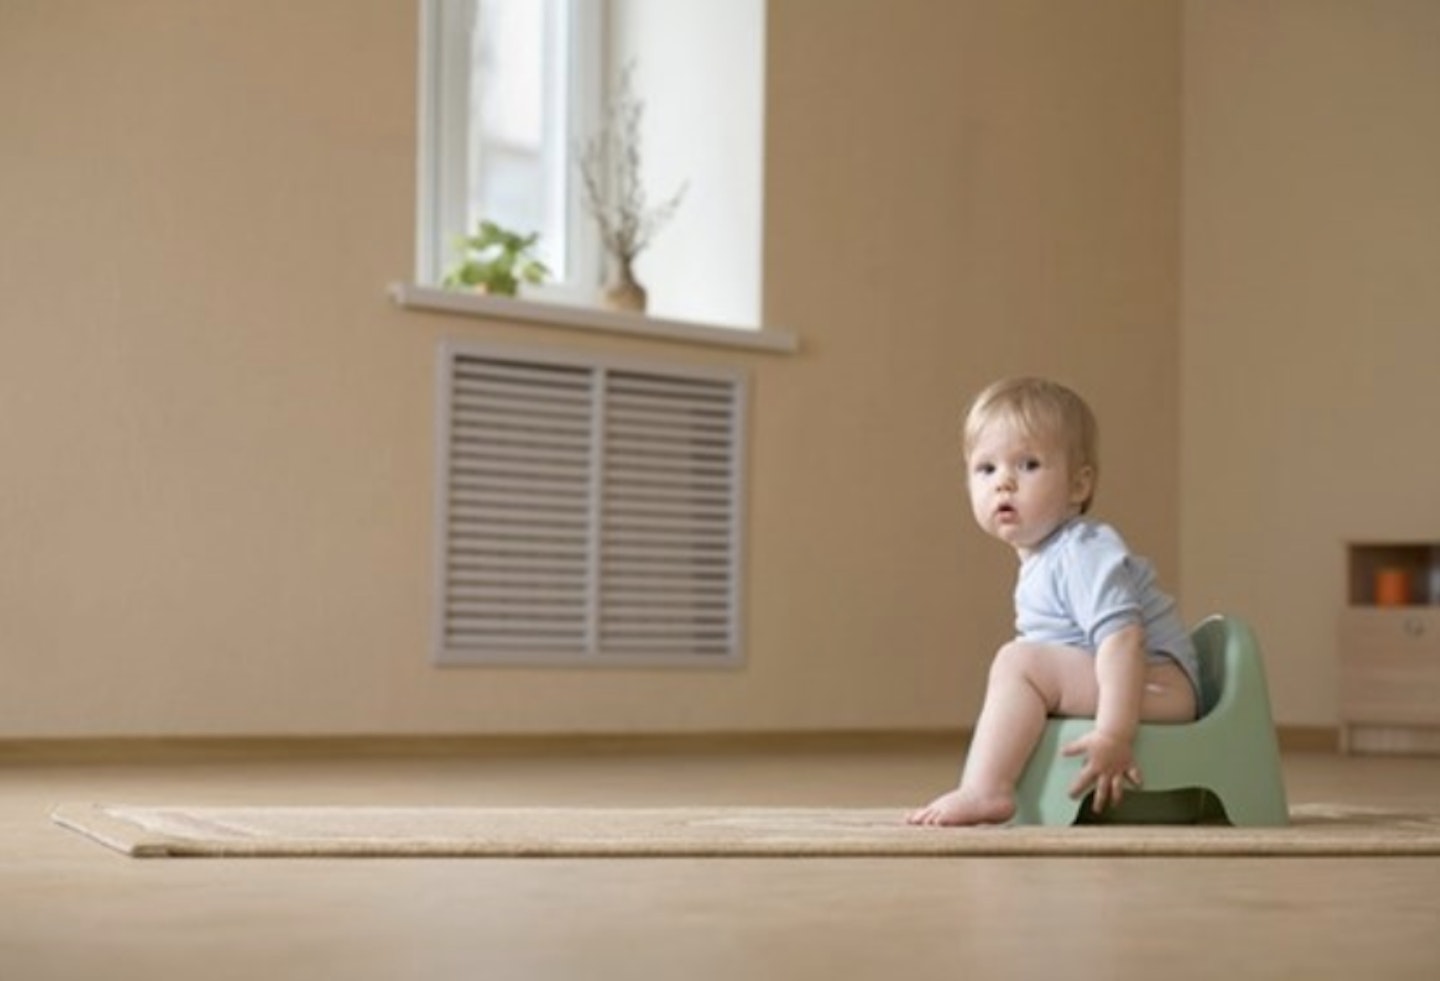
[514, 50]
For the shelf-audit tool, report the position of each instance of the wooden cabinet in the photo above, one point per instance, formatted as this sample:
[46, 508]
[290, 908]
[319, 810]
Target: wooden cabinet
[1390, 650]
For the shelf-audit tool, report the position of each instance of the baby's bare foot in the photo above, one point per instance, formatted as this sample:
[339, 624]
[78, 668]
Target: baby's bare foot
[965, 807]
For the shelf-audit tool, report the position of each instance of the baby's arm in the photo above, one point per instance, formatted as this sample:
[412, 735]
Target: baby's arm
[1109, 760]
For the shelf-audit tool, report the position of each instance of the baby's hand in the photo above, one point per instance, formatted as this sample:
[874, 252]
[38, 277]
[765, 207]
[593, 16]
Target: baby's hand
[1109, 765]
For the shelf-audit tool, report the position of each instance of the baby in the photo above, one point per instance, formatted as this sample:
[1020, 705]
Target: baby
[1097, 638]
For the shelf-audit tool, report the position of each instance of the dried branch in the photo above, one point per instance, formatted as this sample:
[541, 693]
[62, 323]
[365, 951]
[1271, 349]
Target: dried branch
[609, 167]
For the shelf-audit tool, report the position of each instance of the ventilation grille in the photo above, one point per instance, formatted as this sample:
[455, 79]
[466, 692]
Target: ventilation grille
[589, 511]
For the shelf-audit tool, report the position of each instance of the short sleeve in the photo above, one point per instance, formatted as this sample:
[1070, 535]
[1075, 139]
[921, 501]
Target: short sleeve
[1102, 585]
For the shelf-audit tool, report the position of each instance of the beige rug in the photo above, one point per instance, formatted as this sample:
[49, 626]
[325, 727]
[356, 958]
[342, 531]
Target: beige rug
[235, 832]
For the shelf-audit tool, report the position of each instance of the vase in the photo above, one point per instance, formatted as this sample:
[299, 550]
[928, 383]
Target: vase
[1392, 587]
[623, 291]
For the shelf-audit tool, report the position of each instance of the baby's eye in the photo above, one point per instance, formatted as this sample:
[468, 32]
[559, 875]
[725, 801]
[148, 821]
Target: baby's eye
[984, 469]
[1029, 465]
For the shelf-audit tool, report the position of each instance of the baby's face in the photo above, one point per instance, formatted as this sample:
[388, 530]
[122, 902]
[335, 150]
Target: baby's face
[1021, 487]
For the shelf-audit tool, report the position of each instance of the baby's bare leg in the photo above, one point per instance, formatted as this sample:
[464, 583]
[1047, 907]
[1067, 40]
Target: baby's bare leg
[1168, 695]
[1027, 684]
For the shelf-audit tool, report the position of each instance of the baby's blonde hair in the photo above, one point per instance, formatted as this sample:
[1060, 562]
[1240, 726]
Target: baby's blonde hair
[1040, 409]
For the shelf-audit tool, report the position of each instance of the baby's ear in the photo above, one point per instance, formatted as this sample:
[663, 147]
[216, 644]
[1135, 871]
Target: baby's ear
[1082, 485]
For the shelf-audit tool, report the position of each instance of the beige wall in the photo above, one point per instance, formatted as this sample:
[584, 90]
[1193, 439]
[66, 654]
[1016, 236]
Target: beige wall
[1311, 315]
[217, 432]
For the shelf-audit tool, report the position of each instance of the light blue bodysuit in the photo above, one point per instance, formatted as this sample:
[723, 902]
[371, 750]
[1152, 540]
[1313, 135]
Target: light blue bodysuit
[1082, 584]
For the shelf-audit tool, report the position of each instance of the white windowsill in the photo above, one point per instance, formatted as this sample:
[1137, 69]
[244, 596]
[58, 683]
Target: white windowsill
[416, 297]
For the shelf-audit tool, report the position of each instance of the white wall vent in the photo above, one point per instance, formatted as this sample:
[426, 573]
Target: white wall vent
[589, 510]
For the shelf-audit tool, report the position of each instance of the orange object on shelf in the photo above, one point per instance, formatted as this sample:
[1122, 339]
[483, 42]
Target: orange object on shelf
[1392, 587]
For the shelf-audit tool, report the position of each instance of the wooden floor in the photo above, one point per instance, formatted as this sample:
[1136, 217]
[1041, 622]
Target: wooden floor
[71, 909]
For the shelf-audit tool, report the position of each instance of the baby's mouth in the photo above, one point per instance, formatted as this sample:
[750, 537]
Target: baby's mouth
[1006, 512]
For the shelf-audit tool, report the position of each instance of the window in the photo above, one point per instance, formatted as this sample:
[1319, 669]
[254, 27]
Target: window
[511, 87]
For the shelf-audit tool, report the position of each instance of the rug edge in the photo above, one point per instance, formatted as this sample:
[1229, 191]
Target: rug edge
[93, 821]
[98, 822]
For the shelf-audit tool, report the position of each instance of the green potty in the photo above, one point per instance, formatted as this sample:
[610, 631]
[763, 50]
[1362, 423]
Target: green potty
[1225, 766]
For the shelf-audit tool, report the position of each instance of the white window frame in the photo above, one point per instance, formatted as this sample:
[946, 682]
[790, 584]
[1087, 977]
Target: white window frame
[573, 102]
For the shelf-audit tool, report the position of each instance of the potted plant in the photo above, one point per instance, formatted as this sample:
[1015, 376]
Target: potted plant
[496, 260]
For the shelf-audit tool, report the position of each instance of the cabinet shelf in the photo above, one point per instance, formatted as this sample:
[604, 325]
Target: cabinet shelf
[1390, 648]
[1419, 564]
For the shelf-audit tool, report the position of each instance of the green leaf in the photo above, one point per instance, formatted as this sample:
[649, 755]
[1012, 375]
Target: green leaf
[496, 258]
